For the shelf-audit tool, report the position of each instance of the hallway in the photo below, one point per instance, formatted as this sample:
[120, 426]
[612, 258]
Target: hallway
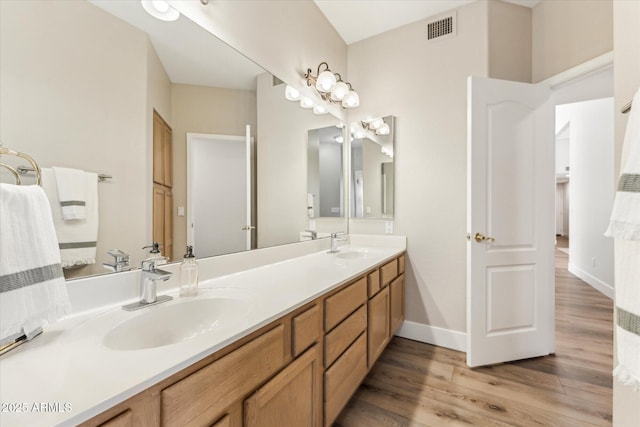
[416, 384]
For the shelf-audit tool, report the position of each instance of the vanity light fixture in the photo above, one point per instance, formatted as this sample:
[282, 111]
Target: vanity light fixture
[319, 109]
[331, 87]
[376, 125]
[306, 102]
[160, 9]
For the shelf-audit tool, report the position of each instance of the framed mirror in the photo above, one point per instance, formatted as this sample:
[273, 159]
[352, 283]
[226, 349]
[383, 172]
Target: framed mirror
[81, 82]
[372, 171]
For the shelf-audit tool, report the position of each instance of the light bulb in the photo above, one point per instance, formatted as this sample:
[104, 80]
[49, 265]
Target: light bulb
[319, 109]
[376, 123]
[339, 139]
[359, 134]
[306, 102]
[351, 100]
[383, 130]
[326, 81]
[339, 91]
[160, 9]
[291, 93]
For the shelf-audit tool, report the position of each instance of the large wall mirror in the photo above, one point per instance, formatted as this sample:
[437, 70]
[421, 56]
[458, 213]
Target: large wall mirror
[81, 82]
[372, 171]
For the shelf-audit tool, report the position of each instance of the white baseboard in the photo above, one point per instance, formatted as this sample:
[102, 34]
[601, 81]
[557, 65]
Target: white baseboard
[441, 337]
[595, 283]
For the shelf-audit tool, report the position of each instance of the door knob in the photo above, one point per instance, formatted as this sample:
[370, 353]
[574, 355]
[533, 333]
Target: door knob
[482, 238]
[248, 227]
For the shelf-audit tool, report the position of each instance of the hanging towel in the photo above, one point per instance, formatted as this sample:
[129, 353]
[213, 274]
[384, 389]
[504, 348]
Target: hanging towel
[77, 239]
[32, 287]
[72, 194]
[625, 228]
[625, 215]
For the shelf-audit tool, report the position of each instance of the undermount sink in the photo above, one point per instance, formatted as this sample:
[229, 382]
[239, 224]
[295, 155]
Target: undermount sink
[352, 254]
[177, 321]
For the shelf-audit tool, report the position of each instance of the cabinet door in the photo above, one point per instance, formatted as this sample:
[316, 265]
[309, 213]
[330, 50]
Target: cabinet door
[397, 303]
[291, 398]
[167, 155]
[158, 214]
[378, 325]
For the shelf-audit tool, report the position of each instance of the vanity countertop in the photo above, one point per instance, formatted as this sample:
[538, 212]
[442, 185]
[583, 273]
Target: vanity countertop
[67, 375]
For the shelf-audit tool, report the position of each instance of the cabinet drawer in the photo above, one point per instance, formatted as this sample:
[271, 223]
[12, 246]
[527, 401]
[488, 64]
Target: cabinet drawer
[373, 283]
[306, 328]
[201, 398]
[388, 272]
[401, 264]
[336, 341]
[343, 378]
[338, 306]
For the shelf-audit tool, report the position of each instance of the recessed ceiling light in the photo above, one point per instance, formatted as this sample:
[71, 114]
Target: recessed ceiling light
[160, 9]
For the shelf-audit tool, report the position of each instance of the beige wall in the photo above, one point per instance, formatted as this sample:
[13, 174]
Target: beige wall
[424, 84]
[509, 41]
[200, 109]
[80, 101]
[626, 15]
[567, 33]
[284, 37]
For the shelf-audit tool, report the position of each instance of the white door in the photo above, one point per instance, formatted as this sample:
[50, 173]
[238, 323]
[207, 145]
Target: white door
[510, 219]
[218, 194]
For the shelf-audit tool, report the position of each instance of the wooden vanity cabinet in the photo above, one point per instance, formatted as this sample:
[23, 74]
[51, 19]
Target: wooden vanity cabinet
[299, 370]
[291, 398]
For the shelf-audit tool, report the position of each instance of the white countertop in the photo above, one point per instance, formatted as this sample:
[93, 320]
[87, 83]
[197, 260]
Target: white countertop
[67, 375]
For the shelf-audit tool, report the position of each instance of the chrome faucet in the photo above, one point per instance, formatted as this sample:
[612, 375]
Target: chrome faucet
[120, 263]
[150, 275]
[314, 234]
[334, 241]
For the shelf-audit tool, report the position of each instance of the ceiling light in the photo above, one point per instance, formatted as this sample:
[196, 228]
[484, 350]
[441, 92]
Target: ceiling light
[160, 9]
[291, 93]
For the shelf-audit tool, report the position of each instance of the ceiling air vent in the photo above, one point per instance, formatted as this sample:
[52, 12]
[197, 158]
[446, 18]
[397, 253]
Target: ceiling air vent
[442, 27]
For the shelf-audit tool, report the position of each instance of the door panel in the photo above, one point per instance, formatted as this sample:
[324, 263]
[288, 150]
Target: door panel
[511, 191]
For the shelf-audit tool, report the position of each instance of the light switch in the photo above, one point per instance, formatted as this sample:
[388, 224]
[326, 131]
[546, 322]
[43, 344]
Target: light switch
[180, 210]
[312, 224]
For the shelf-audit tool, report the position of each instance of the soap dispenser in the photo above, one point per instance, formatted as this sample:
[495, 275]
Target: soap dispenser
[155, 253]
[189, 274]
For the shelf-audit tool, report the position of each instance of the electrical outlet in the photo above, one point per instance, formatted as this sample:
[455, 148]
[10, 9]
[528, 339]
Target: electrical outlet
[388, 227]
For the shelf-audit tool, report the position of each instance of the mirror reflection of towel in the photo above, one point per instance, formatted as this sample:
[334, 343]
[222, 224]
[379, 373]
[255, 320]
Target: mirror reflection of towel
[77, 238]
[72, 192]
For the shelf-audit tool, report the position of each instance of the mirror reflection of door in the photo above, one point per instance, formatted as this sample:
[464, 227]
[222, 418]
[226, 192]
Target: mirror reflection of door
[219, 178]
[324, 172]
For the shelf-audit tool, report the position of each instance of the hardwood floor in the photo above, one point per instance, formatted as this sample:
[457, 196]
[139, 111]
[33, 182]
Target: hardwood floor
[415, 384]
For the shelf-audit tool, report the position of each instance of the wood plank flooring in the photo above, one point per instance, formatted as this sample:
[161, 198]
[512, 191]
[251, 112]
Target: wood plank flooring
[416, 384]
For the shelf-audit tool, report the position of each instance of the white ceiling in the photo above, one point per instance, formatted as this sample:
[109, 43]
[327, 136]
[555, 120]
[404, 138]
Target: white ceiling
[191, 55]
[356, 20]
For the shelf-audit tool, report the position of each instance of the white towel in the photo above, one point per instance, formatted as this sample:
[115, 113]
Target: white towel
[77, 238]
[72, 194]
[625, 215]
[625, 228]
[32, 287]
